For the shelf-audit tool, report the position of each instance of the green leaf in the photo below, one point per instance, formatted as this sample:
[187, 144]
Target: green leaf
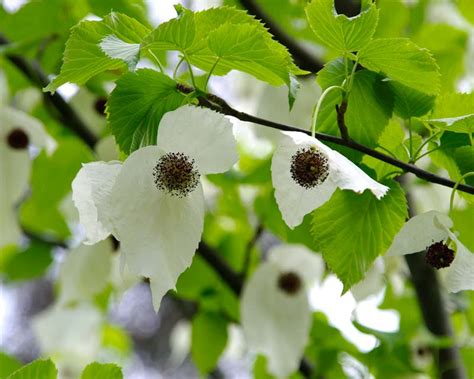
[333, 73]
[369, 108]
[116, 338]
[392, 140]
[50, 182]
[8, 365]
[352, 230]
[462, 219]
[227, 36]
[115, 48]
[29, 264]
[244, 47]
[43, 369]
[466, 9]
[133, 8]
[136, 106]
[403, 61]
[175, 34]
[83, 57]
[460, 124]
[340, 32]
[369, 103]
[454, 112]
[393, 18]
[448, 45]
[28, 23]
[408, 102]
[102, 371]
[209, 338]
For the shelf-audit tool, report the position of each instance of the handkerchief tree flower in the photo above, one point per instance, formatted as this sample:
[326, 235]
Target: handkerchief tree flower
[18, 132]
[153, 203]
[305, 174]
[432, 232]
[276, 314]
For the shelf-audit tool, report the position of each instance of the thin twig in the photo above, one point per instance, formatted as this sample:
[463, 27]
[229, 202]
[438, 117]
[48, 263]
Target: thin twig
[248, 250]
[341, 122]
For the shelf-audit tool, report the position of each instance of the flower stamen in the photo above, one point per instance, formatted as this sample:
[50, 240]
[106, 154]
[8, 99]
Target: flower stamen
[18, 139]
[439, 255]
[289, 282]
[175, 174]
[309, 167]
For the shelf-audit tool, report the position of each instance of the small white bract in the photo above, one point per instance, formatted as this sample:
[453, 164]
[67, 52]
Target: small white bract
[153, 203]
[71, 335]
[433, 230]
[18, 131]
[85, 272]
[305, 174]
[276, 315]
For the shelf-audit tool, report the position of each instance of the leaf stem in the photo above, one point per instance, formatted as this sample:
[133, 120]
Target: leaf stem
[210, 72]
[425, 142]
[410, 136]
[426, 153]
[157, 61]
[175, 72]
[318, 106]
[190, 71]
[451, 200]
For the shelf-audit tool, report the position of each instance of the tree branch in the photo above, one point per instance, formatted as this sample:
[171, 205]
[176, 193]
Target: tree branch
[232, 279]
[302, 57]
[220, 105]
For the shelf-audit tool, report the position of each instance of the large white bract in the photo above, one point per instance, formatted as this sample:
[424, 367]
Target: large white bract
[153, 203]
[422, 231]
[18, 131]
[276, 321]
[305, 174]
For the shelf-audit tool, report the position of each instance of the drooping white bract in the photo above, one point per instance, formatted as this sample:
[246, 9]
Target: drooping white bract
[373, 282]
[275, 310]
[18, 131]
[305, 174]
[153, 203]
[70, 336]
[421, 232]
[91, 189]
[85, 272]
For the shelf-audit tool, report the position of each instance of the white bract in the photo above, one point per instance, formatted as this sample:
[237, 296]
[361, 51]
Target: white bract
[276, 315]
[70, 336]
[373, 282]
[305, 174]
[153, 203]
[85, 272]
[421, 232]
[18, 131]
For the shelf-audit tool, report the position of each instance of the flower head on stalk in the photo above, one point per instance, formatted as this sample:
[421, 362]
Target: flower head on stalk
[18, 132]
[275, 311]
[153, 203]
[432, 232]
[305, 174]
